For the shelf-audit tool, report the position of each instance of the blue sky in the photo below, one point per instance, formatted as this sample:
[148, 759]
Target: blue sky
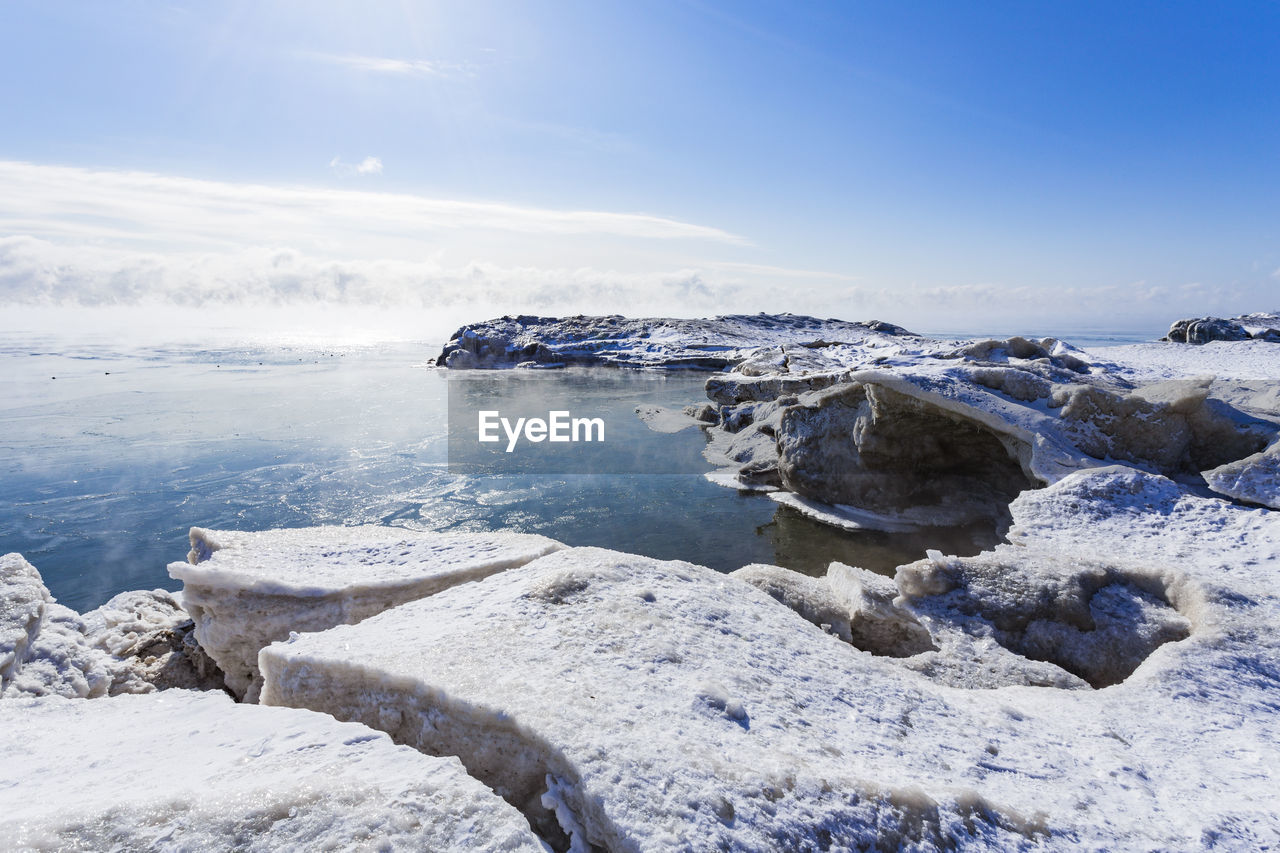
[965, 165]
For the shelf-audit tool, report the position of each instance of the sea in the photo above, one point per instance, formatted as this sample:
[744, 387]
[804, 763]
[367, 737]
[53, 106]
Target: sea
[110, 454]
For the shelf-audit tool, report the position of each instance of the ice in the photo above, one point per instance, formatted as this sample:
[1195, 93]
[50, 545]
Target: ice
[943, 434]
[23, 599]
[193, 771]
[854, 604]
[810, 597]
[245, 590]
[641, 704]
[44, 650]
[1255, 479]
[152, 635]
[662, 419]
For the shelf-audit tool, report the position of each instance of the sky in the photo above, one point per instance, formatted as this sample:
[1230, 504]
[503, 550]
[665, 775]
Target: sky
[404, 167]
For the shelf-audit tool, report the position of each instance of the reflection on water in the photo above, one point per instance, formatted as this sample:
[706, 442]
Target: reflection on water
[803, 545]
[105, 467]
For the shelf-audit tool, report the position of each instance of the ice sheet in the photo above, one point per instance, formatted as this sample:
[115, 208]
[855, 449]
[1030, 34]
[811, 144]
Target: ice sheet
[193, 771]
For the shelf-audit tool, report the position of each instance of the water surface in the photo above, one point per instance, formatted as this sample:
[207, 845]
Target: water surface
[110, 456]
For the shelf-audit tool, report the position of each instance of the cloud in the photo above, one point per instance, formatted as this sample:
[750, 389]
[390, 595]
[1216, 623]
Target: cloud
[367, 166]
[388, 65]
[434, 297]
[167, 213]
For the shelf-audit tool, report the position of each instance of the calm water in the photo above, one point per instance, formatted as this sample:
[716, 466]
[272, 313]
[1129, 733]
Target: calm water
[109, 457]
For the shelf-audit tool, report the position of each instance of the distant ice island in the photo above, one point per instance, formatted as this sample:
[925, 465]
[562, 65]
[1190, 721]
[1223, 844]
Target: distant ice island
[1106, 678]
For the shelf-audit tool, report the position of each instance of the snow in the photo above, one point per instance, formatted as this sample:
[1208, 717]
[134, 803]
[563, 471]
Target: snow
[1255, 479]
[150, 633]
[245, 590]
[658, 342]
[643, 704]
[1154, 362]
[23, 599]
[44, 650]
[924, 433]
[193, 771]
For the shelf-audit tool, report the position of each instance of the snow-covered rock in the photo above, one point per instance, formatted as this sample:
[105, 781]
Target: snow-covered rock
[925, 440]
[245, 590]
[658, 705]
[44, 650]
[193, 771]
[1205, 329]
[151, 634]
[708, 344]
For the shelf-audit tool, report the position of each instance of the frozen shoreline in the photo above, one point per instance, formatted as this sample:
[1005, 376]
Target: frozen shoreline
[1118, 656]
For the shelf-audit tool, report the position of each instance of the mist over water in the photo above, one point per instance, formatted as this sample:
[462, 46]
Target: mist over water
[110, 456]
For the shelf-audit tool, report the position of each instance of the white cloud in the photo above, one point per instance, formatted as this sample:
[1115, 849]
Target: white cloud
[167, 213]
[389, 65]
[367, 166]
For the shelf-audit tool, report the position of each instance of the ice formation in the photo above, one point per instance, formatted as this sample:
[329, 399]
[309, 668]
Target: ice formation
[1253, 479]
[194, 771]
[245, 590]
[640, 704]
[151, 634]
[44, 649]
[949, 437]
[707, 344]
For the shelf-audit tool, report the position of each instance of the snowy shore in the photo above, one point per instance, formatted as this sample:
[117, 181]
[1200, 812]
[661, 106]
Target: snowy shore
[1104, 679]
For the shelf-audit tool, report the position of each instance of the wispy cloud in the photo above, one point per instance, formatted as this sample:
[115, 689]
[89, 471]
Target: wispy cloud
[165, 212]
[367, 166]
[391, 65]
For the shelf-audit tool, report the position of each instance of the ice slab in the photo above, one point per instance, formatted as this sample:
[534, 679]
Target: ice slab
[1255, 479]
[658, 705]
[246, 590]
[193, 771]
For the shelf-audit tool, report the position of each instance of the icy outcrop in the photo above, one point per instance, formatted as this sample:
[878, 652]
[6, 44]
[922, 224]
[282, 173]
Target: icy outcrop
[1205, 329]
[640, 704]
[193, 771]
[23, 599]
[246, 590]
[869, 446]
[708, 344]
[950, 436]
[44, 650]
[152, 635]
[1254, 479]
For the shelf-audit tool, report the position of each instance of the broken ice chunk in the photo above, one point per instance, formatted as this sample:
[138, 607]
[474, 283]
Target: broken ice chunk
[180, 770]
[246, 590]
[43, 647]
